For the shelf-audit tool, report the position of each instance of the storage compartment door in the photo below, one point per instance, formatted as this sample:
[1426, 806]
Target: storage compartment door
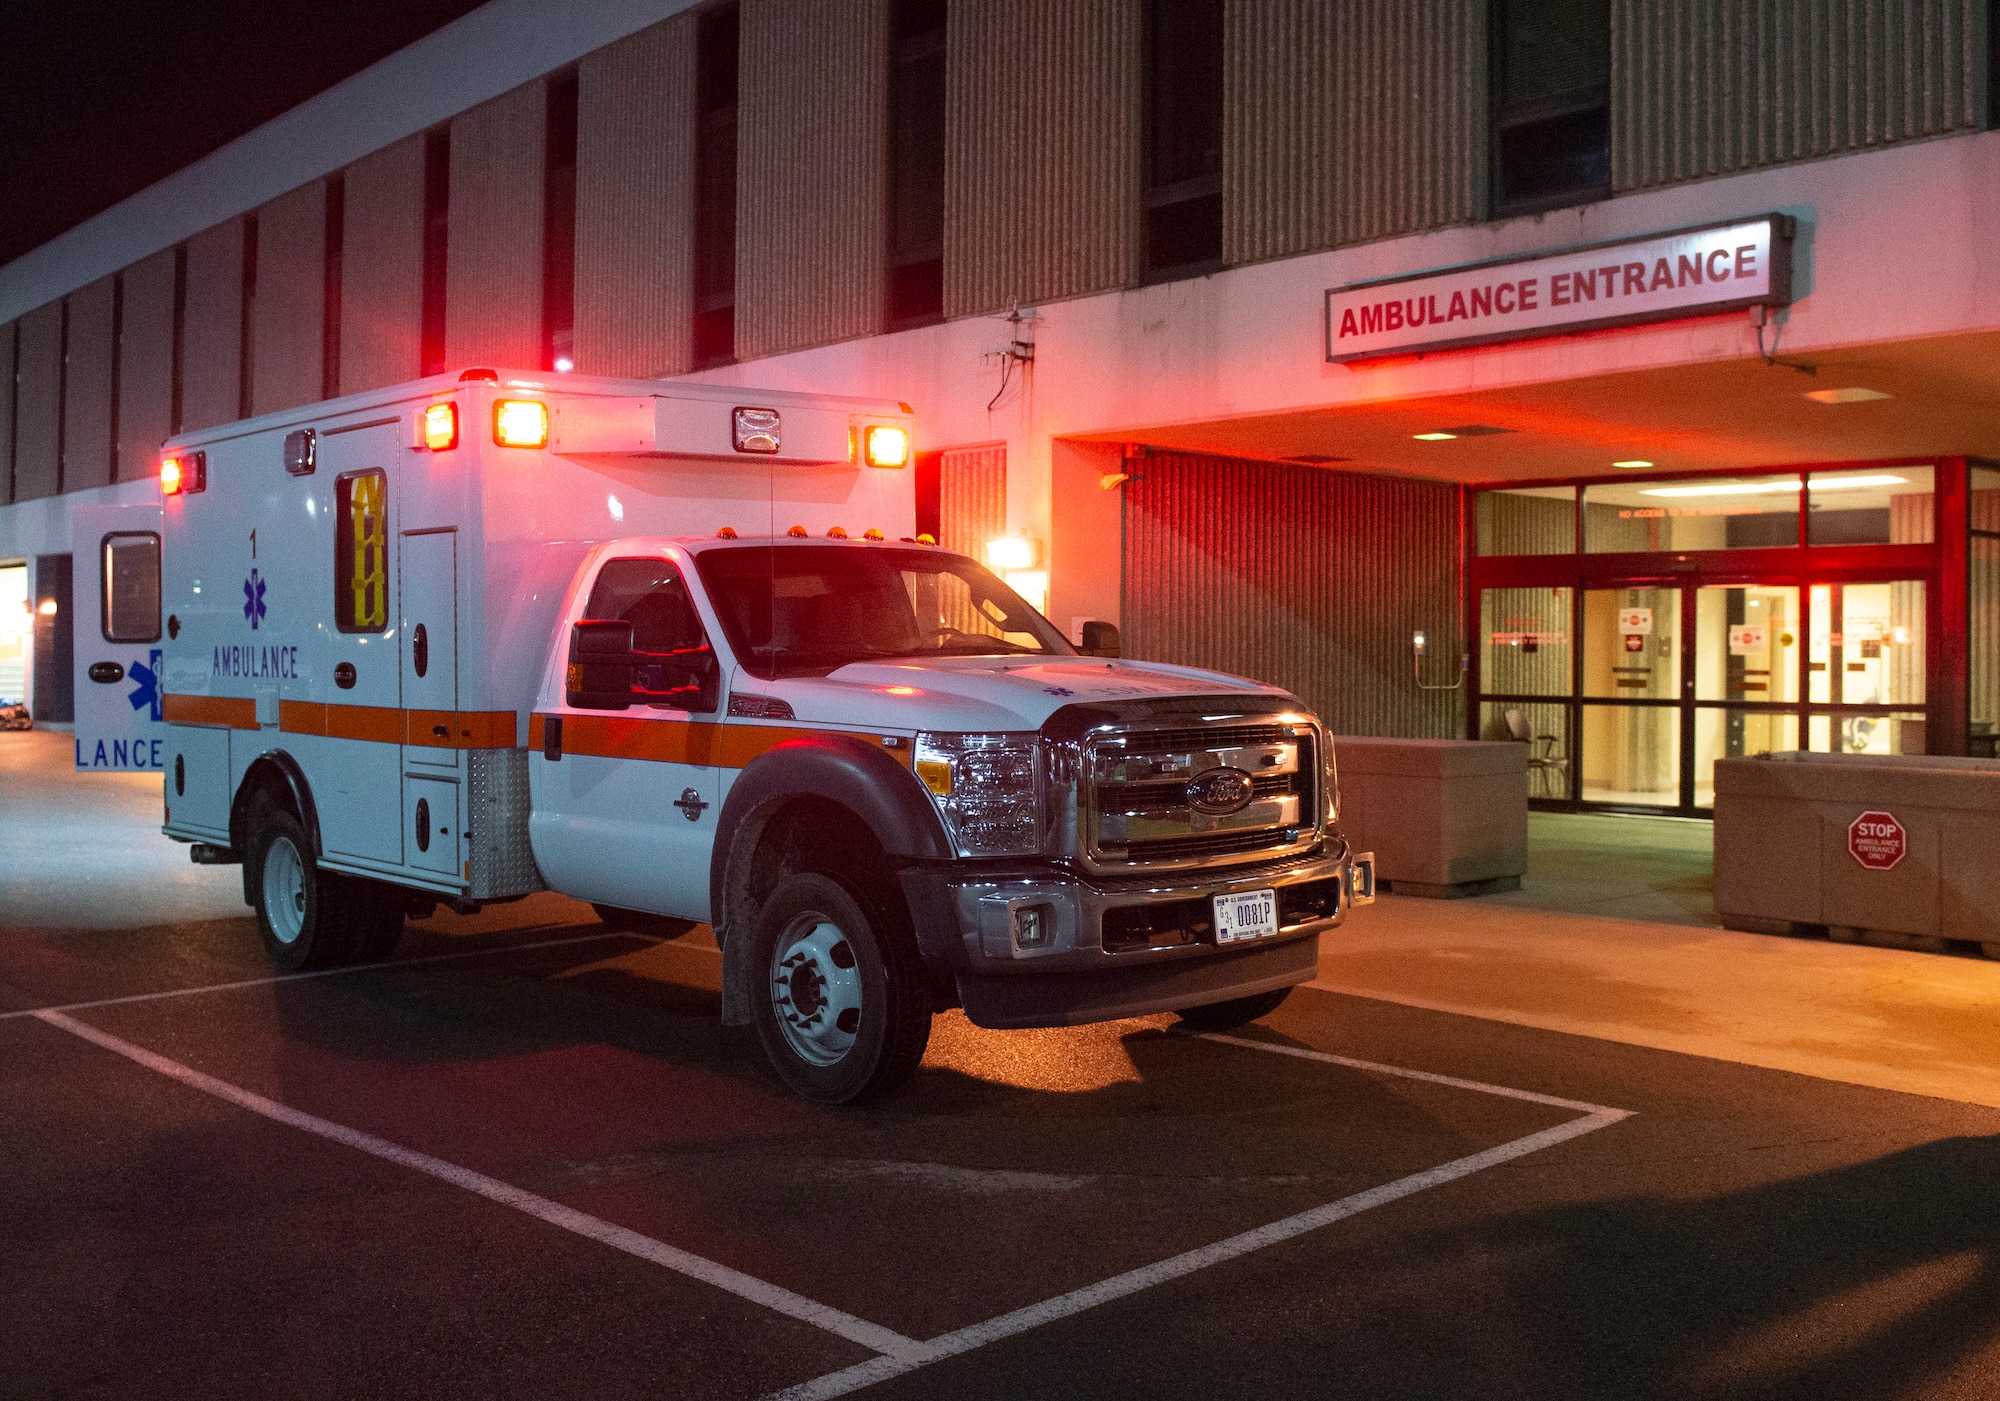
[430, 648]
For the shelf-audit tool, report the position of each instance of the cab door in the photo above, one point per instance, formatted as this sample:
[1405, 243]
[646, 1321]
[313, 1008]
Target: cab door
[116, 616]
[625, 801]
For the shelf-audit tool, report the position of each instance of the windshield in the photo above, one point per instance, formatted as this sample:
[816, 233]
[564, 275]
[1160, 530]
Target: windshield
[806, 610]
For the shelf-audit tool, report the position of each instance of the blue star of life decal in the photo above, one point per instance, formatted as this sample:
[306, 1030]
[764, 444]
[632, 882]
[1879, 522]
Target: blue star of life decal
[146, 684]
[253, 599]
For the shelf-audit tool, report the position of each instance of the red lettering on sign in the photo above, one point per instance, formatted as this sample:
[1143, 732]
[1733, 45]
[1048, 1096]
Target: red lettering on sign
[1559, 289]
[1503, 299]
[1530, 289]
[1347, 322]
[1635, 278]
[1371, 320]
[1457, 312]
[1746, 260]
[1482, 301]
[1392, 317]
[1716, 274]
[1583, 285]
[1877, 840]
[1688, 270]
[1663, 275]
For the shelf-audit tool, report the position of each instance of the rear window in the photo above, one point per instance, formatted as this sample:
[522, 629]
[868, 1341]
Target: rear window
[131, 587]
[361, 551]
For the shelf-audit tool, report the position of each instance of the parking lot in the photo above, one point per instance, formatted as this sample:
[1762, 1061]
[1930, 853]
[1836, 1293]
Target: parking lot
[522, 1158]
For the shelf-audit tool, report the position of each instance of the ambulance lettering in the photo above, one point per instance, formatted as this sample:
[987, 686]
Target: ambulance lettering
[257, 663]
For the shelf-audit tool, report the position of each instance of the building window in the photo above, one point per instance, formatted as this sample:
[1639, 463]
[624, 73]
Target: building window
[1551, 103]
[559, 226]
[1181, 158]
[437, 232]
[715, 188]
[916, 162]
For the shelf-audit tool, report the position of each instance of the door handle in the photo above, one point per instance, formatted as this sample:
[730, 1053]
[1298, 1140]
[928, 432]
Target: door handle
[441, 731]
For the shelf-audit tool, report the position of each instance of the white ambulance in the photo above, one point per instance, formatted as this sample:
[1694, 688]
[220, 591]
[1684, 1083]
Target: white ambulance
[672, 649]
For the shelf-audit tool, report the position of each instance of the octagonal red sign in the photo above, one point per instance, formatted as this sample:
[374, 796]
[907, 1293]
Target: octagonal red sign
[1877, 840]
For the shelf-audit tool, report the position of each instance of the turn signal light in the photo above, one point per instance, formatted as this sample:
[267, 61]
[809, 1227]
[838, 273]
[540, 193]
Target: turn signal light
[521, 423]
[183, 474]
[888, 446]
[441, 427]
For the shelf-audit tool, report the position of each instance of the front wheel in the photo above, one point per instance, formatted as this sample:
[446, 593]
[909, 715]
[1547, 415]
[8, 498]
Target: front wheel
[842, 1007]
[1238, 1011]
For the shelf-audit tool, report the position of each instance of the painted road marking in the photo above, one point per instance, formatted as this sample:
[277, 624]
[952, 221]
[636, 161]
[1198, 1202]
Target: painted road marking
[328, 973]
[1007, 1325]
[771, 1296]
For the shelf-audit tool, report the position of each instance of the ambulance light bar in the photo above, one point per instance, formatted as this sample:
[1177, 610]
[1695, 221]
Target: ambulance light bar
[184, 474]
[521, 423]
[441, 427]
[888, 446]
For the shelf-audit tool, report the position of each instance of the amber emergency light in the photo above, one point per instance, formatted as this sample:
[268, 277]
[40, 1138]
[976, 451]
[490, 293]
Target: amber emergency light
[183, 474]
[888, 446]
[441, 427]
[521, 423]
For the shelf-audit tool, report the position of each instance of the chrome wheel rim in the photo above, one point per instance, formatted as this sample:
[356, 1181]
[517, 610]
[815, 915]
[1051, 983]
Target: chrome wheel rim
[285, 891]
[816, 989]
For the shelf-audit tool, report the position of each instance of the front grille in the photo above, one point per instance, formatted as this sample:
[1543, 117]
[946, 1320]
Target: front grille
[1139, 784]
[1173, 923]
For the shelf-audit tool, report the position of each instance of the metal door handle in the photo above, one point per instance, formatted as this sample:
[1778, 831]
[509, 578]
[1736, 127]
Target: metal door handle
[441, 732]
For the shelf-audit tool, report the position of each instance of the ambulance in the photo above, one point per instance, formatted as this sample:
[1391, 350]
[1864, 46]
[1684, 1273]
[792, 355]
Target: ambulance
[677, 650]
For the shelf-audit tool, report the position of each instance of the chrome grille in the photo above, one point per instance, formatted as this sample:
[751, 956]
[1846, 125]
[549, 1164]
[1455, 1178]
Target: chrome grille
[1139, 812]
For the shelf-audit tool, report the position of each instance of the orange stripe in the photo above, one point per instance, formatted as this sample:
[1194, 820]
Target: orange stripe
[236, 712]
[700, 742]
[302, 717]
[463, 729]
[384, 724]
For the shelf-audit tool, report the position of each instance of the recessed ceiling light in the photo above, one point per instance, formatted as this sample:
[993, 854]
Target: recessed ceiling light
[1634, 462]
[1775, 484]
[1438, 437]
[1852, 395]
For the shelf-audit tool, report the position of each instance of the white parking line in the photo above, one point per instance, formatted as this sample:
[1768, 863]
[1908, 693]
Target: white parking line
[771, 1296]
[327, 973]
[978, 1335]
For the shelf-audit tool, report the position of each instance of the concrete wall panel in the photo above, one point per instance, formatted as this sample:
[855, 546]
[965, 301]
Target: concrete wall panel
[146, 365]
[812, 173]
[7, 337]
[1041, 151]
[39, 385]
[1349, 121]
[212, 333]
[87, 389]
[289, 320]
[493, 283]
[1707, 87]
[382, 268]
[972, 499]
[634, 204]
[1309, 579]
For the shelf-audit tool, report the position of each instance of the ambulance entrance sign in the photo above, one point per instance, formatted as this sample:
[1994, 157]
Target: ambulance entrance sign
[1877, 840]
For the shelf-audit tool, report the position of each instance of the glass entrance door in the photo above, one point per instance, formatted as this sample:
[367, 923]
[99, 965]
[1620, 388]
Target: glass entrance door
[1669, 676]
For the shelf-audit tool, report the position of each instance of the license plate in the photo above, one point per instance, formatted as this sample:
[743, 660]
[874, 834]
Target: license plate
[1249, 915]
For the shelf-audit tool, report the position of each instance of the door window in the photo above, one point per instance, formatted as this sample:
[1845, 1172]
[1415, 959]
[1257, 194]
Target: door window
[669, 645]
[131, 598]
[361, 552]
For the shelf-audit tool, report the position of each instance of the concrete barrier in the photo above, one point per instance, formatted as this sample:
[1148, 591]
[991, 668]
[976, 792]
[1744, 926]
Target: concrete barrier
[1860, 844]
[1444, 817]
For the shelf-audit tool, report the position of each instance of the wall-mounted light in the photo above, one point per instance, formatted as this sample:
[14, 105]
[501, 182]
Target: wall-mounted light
[1012, 552]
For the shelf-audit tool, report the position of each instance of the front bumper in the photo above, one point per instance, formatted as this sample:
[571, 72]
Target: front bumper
[1123, 947]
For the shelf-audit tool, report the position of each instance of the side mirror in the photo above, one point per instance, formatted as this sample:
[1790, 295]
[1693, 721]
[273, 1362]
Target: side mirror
[1101, 640]
[600, 665]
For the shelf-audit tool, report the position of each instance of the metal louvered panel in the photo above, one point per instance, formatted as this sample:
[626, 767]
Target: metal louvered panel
[1705, 87]
[212, 328]
[291, 300]
[634, 203]
[493, 277]
[812, 172]
[1041, 151]
[38, 382]
[1307, 579]
[972, 499]
[1349, 121]
[382, 268]
[146, 365]
[8, 335]
[87, 388]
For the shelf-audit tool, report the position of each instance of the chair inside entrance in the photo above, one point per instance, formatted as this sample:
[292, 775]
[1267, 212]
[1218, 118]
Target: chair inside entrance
[1548, 765]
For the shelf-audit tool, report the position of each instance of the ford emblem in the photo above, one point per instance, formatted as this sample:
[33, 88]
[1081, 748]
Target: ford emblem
[1220, 791]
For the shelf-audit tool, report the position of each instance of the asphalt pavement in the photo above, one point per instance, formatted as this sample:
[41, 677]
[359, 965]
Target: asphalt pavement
[523, 1159]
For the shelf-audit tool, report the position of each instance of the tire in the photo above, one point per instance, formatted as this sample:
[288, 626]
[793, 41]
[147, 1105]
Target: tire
[639, 922]
[839, 996]
[302, 912]
[1238, 1011]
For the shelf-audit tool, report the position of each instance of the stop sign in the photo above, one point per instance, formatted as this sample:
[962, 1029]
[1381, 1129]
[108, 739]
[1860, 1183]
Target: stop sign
[1877, 840]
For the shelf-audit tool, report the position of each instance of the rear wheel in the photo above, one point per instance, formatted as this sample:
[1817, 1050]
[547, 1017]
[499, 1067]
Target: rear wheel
[840, 1000]
[293, 915]
[1238, 1011]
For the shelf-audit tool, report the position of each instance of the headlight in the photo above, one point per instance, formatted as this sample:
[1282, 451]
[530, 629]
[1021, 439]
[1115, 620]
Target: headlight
[986, 789]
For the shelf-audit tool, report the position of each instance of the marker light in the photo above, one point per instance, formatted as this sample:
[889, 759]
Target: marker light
[888, 446]
[871, 533]
[797, 532]
[838, 532]
[728, 532]
[184, 474]
[521, 423]
[441, 427]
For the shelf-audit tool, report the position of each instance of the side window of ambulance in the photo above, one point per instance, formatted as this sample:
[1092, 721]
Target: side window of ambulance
[672, 665]
[131, 587]
[361, 551]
